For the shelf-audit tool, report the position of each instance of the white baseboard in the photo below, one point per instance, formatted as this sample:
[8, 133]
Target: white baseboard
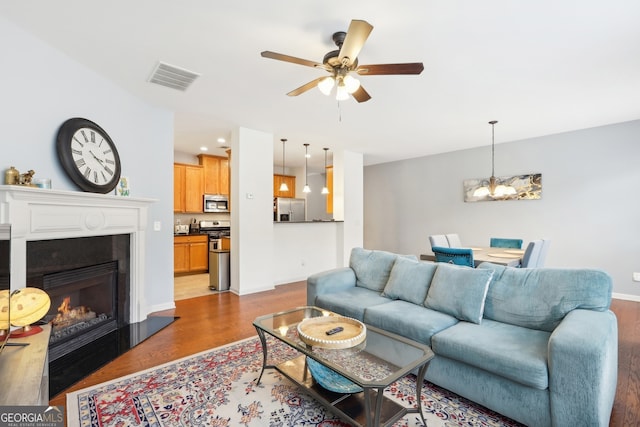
[626, 297]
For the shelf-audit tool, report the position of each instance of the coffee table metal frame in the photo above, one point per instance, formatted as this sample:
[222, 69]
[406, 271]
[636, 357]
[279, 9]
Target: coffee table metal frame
[367, 408]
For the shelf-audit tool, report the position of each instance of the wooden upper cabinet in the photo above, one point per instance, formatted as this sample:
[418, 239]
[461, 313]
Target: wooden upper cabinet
[178, 188]
[329, 173]
[216, 174]
[291, 183]
[188, 187]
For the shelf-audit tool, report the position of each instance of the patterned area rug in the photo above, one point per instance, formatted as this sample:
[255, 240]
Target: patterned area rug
[217, 388]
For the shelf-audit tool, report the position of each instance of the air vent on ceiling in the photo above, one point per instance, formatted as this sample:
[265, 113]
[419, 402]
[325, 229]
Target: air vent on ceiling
[171, 76]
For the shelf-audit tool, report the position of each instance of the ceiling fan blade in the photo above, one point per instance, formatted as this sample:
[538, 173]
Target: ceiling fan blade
[361, 95]
[292, 59]
[357, 35]
[308, 86]
[380, 69]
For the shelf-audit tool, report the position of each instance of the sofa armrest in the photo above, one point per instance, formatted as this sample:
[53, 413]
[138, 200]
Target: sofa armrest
[583, 368]
[328, 282]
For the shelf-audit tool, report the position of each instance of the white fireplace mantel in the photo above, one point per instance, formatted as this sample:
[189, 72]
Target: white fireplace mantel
[44, 214]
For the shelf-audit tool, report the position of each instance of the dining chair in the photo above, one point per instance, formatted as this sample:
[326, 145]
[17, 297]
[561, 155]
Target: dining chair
[498, 242]
[531, 255]
[438, 240]
[458, 256]
[543, 252]
[454, 240]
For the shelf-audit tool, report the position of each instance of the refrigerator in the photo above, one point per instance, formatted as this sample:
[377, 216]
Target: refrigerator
[289, 209]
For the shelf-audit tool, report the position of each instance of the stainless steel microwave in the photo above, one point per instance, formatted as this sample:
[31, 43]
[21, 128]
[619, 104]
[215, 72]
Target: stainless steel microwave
[216, 203]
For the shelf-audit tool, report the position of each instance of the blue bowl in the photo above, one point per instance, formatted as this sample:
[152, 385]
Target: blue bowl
[330, 380]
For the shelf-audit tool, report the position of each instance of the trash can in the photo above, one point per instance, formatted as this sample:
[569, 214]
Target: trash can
[219, 266]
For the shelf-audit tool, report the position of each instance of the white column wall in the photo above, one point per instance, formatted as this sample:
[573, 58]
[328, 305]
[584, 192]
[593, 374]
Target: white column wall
[348, 200]
[251, 211]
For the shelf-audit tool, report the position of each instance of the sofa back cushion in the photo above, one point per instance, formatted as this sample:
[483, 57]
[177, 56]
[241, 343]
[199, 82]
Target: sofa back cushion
[372, 267]
[539, 298]
[459, 291]
[409, 280]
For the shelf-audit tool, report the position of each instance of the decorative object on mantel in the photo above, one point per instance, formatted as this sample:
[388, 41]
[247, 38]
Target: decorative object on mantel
[123, 189]
[13, 177]
[528, 187]
[42, 183]
[88, 155]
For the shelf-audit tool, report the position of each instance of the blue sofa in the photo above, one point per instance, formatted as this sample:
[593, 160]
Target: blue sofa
[537, 345]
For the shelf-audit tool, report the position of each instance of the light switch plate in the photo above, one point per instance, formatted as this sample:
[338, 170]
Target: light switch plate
[156, 226]
[636, 277]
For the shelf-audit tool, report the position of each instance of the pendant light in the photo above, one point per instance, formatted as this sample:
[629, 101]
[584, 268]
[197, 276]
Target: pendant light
[325, 189]
[493, 190]
[283, 185]
[306, 188]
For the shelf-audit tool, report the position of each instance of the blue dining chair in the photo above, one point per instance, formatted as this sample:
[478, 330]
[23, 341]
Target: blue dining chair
[498, 242]
[438, 240]
[458, 256]
[531, 256]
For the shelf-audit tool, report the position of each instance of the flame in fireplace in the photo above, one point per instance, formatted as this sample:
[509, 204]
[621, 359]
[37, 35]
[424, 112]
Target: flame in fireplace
[68, 315]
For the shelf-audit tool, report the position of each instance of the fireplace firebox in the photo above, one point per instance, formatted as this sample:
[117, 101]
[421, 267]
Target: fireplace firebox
[87, 281]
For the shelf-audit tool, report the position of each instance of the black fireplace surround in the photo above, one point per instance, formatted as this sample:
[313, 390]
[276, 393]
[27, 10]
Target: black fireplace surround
[89, 276]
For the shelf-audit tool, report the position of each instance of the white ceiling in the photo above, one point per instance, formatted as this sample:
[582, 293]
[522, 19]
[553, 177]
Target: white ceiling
[538, 67]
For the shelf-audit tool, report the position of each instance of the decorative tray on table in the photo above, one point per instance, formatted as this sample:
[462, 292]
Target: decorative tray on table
[317, 332]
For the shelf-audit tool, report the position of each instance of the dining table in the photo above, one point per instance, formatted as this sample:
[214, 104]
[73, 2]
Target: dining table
[502, 256]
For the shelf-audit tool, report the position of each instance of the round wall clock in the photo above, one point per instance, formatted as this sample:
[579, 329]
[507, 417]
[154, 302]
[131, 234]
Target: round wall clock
[88, 155]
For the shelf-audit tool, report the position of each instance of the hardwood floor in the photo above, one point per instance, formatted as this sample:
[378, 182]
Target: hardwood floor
[210, 321]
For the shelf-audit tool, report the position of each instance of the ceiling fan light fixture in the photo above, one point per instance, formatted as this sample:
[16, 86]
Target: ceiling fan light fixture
[342, 94]
[351, 83]
[326, 85]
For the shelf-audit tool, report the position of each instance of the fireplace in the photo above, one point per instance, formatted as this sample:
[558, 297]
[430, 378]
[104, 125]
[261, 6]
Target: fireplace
[88, 284]
[46, 225]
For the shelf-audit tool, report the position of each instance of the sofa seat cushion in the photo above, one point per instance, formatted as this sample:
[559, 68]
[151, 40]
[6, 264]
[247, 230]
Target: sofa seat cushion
[409, 320]
[352, 302]
[513, 352]
[409, 280]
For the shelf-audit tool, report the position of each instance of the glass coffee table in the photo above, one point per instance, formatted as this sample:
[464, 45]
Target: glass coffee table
[373, 365]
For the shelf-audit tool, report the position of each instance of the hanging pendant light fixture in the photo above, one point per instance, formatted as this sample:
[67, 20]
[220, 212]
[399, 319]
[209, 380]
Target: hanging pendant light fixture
[325, 189]
[283, 184]
[306, 188]
[494, 190]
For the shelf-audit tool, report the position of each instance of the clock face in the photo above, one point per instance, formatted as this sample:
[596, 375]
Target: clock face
[88, 155]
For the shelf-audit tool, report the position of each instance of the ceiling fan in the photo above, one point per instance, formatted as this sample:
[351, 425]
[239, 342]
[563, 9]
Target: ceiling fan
[341, 62]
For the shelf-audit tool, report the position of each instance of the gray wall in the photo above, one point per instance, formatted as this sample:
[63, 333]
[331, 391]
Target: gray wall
[44, 87]
[589, 207]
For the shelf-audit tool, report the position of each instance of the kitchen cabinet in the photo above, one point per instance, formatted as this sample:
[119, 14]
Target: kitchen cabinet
[216, 174]
[329, 172]
[291, 183]
[188, 187]
[226, 243]
[191, 253]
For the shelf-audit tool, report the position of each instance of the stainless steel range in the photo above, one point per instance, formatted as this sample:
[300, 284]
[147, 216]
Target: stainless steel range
[219, 259]
[216, 231]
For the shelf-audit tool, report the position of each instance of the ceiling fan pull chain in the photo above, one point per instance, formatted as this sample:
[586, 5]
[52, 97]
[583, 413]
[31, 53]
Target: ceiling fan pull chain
[339, 113]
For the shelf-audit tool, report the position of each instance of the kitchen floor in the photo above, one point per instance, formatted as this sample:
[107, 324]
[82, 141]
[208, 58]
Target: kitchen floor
[191, 286]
